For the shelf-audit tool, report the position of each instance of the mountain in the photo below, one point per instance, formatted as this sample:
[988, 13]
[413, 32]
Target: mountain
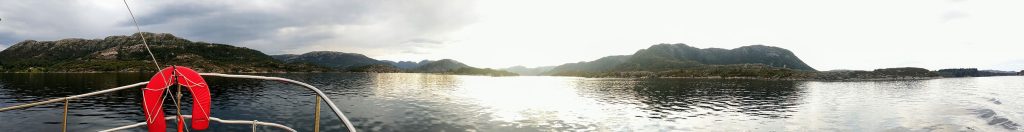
[449, 66]
[408, 65]
[673, 56]
[480, 71]
[353, 62]
[337, 60]
[128, 54]
[442, 65]
[605, 64]
[284, 57]
[522, 70]
[665, 57]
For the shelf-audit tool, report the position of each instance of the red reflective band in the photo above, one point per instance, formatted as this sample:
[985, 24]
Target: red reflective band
[152, 97]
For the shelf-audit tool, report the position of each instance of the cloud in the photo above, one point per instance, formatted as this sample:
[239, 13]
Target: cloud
[274, 27]
[826, 35]
[6, 39]
[954, 15]
[48, 20]
[414, 52]
[374, 27]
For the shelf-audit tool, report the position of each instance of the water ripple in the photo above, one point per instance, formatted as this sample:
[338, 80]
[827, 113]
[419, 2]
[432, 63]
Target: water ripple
[427, 102]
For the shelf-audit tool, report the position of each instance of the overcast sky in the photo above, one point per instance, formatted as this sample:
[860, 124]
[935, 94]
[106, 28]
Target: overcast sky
[860, 34]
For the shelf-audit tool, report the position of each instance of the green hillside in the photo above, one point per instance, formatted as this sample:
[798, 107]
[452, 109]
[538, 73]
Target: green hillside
[128, 54]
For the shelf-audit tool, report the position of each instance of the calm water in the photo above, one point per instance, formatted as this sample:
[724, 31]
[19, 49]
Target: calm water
[425, 102]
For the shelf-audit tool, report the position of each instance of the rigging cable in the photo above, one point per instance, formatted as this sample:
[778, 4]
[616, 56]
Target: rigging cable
[177, 100]
[139, 30]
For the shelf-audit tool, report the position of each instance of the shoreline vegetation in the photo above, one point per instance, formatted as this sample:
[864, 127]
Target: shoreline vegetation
[125, 54]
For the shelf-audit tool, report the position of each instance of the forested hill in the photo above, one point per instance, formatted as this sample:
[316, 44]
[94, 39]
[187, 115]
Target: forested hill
[333, 59]
[354, 62]
[128, 54]
[667, 57]
[670, 56]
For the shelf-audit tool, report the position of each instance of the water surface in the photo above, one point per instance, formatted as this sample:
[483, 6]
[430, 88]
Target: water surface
[427, 102]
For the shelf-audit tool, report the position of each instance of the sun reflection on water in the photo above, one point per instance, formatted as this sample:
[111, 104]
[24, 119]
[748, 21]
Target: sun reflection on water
[535, 101]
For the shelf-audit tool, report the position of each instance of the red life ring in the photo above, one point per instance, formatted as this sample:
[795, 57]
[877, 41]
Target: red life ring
[152, 98]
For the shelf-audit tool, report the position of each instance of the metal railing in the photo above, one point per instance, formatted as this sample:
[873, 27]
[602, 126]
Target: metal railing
[73, 97]
[320, 95]
[212, 119]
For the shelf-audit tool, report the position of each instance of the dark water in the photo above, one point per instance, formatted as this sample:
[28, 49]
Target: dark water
[424, 102]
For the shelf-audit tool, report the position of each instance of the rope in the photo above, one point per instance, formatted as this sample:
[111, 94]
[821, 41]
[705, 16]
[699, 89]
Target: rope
[254, 122]
[155, 109]
[139, 30]
[151, 56]
[169, 93]
[194, 84]
[177, 100]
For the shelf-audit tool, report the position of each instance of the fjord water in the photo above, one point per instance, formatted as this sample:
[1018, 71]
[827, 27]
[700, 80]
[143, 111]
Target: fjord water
[428, 102]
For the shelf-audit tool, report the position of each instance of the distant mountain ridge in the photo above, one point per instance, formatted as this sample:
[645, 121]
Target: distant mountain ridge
[408, 65]
[440, 66]
[127, 54]
[664, 57]
[522, 70]
[354, 62]
[333, 59]
[603, 64]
